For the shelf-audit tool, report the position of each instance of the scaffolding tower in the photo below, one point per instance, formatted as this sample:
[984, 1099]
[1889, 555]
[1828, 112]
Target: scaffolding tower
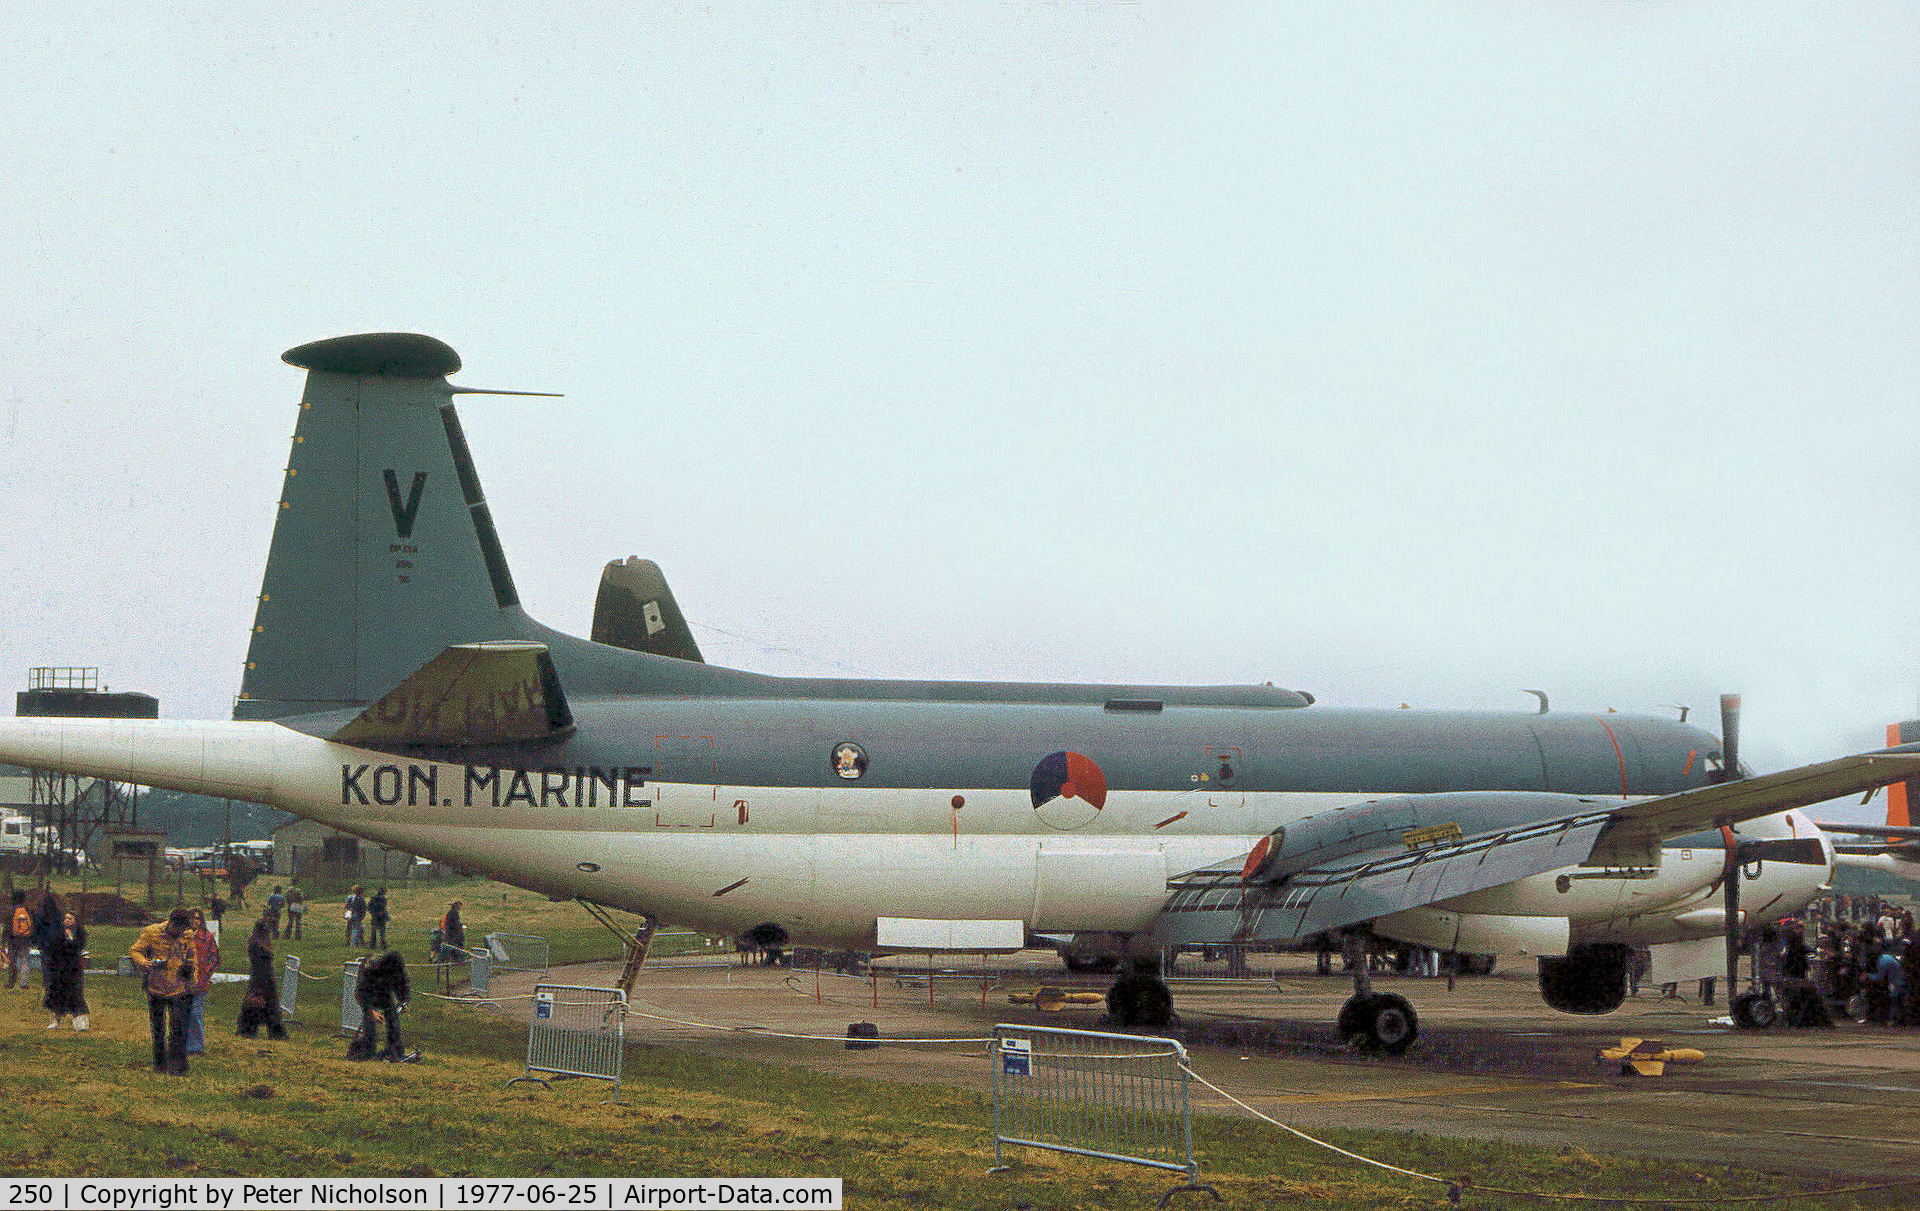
[67, 813]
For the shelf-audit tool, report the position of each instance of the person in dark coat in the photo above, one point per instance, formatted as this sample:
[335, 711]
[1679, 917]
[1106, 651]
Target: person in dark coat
[453, 935]
[382, 988]
[261, 1006]
[1800, 999]
[61, 958]
[377, 921]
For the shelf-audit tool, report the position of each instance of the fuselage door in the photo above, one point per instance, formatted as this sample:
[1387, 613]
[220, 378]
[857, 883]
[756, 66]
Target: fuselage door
[686, 775]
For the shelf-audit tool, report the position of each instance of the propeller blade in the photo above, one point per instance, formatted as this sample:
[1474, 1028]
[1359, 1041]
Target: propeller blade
[1729, 737]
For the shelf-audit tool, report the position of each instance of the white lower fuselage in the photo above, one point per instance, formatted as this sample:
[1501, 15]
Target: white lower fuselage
[824, 863]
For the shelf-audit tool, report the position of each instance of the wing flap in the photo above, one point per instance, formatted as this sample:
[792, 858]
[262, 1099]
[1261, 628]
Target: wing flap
[470, 694]
[1213, 904]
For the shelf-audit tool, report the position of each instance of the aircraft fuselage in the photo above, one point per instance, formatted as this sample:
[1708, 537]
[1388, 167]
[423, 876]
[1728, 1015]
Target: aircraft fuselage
[724, 814]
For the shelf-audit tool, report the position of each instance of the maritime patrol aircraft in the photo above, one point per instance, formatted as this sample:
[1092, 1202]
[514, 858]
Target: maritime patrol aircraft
[395, 689]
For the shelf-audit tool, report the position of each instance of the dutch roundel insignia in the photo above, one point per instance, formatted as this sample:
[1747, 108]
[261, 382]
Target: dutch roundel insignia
[1068, 790]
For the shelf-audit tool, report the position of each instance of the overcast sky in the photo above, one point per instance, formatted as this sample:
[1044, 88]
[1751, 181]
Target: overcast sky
[1400, 354]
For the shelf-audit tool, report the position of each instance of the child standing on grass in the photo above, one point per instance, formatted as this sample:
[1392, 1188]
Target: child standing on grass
[206, 961]
[296, 909]
[19, 940]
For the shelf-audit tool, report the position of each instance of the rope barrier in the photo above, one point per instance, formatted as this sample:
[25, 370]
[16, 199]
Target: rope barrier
[1456, 1188]
[763, 1033]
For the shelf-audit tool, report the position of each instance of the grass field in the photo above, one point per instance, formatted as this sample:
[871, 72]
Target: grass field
[90, 1105]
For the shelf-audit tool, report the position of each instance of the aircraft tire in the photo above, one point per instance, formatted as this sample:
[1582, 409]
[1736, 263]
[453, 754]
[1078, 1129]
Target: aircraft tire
[1392, 1025]
[1351, 1025]
[1382, 1021]
[1753, 1011]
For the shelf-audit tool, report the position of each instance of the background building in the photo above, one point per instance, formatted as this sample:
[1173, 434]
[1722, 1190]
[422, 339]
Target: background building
[323, 857]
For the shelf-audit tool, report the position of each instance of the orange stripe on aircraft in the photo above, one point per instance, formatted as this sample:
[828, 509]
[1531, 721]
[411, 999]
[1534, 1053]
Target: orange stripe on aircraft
[1617, 756]
[1897, 812]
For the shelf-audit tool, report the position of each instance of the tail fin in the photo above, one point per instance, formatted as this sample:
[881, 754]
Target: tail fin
[636, 611]
[383, 550]
[1901, 795]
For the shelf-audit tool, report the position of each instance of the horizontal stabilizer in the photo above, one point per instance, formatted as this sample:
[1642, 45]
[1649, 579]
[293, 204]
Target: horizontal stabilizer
[1891, 831]
[470, 694]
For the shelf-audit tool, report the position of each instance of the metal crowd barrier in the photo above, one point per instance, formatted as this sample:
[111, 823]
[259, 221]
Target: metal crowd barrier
[1117, 1097]
[517, 951]
[480, 972]
[576, 1031]
[349, 1007]
[290, 986]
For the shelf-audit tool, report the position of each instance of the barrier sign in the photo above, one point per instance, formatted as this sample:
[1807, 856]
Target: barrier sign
[1016, 1057]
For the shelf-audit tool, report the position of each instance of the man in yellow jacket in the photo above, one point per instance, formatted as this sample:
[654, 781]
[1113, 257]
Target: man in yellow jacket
[164, 951]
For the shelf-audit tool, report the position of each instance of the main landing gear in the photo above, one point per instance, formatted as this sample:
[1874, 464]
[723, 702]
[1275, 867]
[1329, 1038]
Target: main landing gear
[1140, 1000]
[1374, 1021]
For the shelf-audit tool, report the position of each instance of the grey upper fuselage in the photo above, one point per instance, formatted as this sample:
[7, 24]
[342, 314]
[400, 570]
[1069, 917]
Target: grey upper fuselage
[702, 723]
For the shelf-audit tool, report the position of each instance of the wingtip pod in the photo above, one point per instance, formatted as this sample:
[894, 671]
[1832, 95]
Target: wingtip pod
[381, 354]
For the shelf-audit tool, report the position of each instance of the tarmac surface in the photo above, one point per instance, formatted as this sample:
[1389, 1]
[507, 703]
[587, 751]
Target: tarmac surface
[1492, 1061]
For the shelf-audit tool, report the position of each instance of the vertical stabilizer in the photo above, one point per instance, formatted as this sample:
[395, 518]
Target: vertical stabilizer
[635, 610]
[1900, 794]
[383, 550]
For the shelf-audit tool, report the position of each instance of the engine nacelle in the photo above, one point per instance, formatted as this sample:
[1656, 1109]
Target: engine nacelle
[1588, 979]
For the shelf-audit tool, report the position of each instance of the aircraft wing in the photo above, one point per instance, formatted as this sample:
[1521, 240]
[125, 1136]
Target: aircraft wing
[1214, 905]
[1638, 828]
